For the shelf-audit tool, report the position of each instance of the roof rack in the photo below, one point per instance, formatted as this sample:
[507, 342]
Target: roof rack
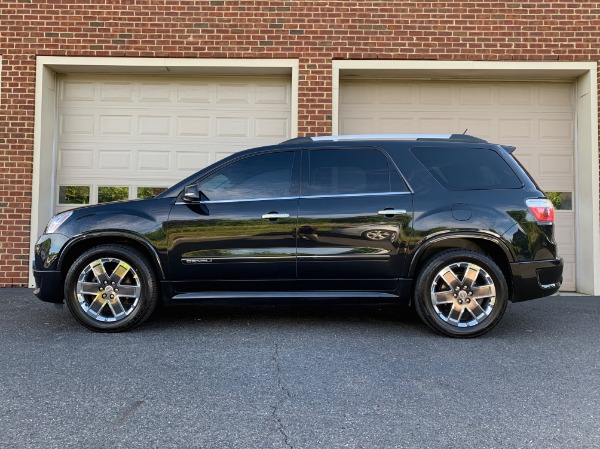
[448, 137]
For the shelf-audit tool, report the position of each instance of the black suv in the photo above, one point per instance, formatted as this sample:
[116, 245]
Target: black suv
[449, 223]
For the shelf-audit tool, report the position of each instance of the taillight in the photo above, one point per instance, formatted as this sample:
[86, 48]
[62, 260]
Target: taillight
[542, 209]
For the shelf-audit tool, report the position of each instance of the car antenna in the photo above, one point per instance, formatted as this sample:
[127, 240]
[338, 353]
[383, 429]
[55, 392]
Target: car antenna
[465, 131]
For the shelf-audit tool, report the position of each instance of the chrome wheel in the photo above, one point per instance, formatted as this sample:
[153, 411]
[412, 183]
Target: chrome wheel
[108, 290]
[463, 294]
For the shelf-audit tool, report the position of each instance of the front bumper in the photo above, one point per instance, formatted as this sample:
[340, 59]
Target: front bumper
[48, 286]
[48, 279]
[536, 279]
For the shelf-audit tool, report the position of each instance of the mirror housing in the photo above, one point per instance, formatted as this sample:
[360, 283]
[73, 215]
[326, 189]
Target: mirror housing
[191, 194]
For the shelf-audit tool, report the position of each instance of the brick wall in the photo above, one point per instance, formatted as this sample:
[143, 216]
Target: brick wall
[315, 32]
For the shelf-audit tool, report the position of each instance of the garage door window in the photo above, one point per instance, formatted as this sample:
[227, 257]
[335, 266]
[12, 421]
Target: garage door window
[112, 193]
[74, 195]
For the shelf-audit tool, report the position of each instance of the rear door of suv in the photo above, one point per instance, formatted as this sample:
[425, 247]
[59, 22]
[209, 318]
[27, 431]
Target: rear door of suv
[354, 211]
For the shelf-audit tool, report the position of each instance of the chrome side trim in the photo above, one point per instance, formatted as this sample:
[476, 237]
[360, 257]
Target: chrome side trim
[241, 200]
[548, 286]
[283, 294]
[296, 197]
[355, 194]
[380, 137]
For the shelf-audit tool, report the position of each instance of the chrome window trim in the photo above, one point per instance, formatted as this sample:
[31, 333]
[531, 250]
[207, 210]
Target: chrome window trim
[355, 194]
[297, 197]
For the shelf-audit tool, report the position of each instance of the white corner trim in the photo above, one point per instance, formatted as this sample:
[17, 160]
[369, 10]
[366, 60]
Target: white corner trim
[587, 180]
[48, 66]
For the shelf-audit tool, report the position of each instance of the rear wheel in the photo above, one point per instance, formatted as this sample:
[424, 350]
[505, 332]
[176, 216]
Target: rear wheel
[461, 293]
[111, 288]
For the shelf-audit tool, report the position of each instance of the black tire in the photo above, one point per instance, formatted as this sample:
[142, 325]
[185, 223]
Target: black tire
[111, 288]
[469, 311]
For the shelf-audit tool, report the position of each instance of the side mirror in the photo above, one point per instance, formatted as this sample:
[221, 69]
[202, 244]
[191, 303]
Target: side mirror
[191, 194]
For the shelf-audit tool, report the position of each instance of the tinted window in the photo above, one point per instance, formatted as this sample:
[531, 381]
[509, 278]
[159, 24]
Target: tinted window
[348, 171]
[262, 176]
[468, 168]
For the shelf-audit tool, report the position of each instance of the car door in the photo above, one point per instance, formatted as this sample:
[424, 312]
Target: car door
[353, 214]
[241, 234]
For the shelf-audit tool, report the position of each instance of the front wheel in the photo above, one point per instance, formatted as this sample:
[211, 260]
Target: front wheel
[111, 288]
[461, 293]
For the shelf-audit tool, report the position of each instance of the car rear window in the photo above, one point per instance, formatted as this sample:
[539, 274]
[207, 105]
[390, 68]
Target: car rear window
[467, 168]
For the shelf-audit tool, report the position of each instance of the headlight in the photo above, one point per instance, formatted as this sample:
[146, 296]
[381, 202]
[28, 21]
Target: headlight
[56, 221]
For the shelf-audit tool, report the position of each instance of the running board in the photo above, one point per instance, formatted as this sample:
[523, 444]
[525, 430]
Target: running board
[290, 294]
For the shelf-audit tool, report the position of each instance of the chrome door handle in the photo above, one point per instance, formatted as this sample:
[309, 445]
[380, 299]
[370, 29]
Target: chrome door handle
[392, 212]
[271, 216]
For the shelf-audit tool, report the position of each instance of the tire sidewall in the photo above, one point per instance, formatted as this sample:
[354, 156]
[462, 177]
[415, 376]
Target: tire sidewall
[423, 303]
[148, 294]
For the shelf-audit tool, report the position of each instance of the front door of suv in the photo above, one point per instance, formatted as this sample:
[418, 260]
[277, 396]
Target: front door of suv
[242, 233]
[353, 213]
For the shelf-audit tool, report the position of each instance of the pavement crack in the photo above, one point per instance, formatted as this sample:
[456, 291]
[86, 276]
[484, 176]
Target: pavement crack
[282, 395]
[128, 411]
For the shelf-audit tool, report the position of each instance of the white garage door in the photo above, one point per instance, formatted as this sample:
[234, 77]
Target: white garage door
[125, 137]
[536, 117]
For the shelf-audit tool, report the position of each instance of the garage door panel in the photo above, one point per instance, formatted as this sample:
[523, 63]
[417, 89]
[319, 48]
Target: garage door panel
[536, 117]
[153, 131]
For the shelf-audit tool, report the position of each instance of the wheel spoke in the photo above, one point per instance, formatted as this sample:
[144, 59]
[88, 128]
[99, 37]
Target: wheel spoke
[450, 278]
[99, 270]
[484, 291]
[129, 291]
[119, 272]
[456, 313]
[476, 310]
[116, 307]
[97, 305]
[471, 275]
[443, 298]
[88, 288]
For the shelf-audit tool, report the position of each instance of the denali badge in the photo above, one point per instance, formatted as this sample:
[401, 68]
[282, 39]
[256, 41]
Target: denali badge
[194, 261]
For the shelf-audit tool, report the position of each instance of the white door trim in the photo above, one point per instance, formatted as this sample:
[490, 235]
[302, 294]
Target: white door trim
[587, 181]
[47, 67]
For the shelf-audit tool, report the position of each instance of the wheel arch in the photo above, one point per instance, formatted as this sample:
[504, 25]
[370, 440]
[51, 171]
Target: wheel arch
[490, 245]
[86, 241]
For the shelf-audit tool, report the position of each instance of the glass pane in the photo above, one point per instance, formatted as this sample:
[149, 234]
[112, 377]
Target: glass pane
[561, 200]
[112, 193]
[145, 192]
[262, 176]
[468, 168]
[339, 172]
[74, 195]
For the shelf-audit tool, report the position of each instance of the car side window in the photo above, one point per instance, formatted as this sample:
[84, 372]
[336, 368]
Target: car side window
[467, 168]
[347, 171]
[262, 176]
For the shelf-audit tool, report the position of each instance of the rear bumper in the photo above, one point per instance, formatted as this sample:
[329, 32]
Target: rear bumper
[48, 286]
[536, 279]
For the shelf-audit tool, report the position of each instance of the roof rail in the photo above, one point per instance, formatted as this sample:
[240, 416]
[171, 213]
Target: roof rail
[446, 137]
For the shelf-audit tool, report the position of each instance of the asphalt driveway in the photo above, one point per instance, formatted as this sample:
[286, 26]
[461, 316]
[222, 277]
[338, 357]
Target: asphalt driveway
[298, 376]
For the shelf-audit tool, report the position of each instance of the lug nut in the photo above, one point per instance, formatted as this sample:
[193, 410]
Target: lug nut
[101, 288]
[105, 282]
[104, 295]
[457, 288]
[116, 289]
[455, 295]
[460, 301]
[112, 296]
[112, 283]
[470, 293]
[468, 300]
